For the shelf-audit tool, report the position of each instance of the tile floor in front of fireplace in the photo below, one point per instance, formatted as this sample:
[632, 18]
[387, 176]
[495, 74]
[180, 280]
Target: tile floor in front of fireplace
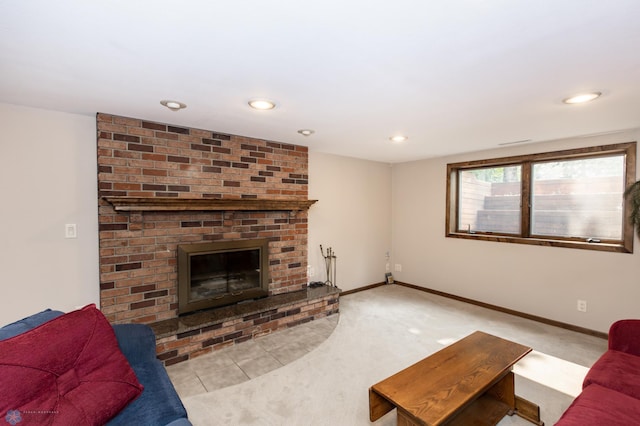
[248, 360]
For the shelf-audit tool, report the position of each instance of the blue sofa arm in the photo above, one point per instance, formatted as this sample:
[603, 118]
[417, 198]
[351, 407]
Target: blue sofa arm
[137, 342]
[26, 324]
[159, 404]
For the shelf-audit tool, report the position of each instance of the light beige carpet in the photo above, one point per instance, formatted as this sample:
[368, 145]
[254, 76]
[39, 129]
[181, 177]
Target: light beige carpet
[380, 332]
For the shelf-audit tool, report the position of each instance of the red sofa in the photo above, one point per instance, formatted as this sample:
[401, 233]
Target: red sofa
[611, 390]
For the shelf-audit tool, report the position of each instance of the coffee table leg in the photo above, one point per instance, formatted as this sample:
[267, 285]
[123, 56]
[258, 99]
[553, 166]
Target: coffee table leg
[378, 405]
[528, 411]
[504, 391]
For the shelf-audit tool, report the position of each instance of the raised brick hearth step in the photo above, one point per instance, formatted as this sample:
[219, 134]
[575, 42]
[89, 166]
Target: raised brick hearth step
[186, 337]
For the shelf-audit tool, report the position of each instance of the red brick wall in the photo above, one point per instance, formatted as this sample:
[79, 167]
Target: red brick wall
[138, 158]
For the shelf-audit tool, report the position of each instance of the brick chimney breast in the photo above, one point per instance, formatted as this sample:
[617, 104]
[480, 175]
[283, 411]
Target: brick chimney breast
[143, 159]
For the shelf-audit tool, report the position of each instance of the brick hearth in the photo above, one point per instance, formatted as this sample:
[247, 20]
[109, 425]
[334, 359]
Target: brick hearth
[179, 339]
[138, 268]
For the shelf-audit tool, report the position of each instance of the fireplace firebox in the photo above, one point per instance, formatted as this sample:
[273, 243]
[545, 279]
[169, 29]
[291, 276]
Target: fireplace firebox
[221, 273]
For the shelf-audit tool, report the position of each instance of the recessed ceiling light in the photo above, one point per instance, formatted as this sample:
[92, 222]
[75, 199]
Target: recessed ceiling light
[262, 104]
[306, 132]
[582, 97]
[173, 105]
[398, 138]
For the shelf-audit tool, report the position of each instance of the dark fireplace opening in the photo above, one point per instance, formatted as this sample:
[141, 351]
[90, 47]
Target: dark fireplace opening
[221, 273]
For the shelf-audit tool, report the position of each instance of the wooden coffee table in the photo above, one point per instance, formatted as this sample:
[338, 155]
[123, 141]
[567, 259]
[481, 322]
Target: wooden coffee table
[467, 383]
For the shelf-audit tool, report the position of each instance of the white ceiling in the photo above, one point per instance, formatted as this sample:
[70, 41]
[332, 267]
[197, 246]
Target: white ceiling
[455, 76]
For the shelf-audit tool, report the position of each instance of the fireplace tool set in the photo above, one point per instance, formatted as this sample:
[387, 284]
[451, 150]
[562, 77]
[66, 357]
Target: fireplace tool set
[330, 264]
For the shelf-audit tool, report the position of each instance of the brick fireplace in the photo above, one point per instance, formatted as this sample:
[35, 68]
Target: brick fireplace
[161, 186]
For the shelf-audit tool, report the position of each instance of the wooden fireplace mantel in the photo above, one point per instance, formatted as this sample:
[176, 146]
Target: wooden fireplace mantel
[142, 204]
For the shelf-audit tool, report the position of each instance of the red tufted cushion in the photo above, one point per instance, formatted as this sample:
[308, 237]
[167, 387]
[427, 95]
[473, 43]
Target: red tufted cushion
[68, 371]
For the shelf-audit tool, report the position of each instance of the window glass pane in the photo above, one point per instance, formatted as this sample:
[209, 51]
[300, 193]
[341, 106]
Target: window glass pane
[578, 198]
[489, 200]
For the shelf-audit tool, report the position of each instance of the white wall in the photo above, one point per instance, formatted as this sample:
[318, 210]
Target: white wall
[543, 281]
[352, 216]
[47, 179]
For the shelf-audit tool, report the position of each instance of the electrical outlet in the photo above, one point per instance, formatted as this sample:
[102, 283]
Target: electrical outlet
[398, 267]
[582, 305]
[70, 230]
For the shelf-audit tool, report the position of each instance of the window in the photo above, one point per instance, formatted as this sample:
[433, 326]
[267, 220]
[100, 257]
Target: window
[490, 199]
[568, 198]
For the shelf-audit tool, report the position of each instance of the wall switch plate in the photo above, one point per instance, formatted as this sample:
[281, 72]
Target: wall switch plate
[398, 267]
[70, 230]
[582, 305]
